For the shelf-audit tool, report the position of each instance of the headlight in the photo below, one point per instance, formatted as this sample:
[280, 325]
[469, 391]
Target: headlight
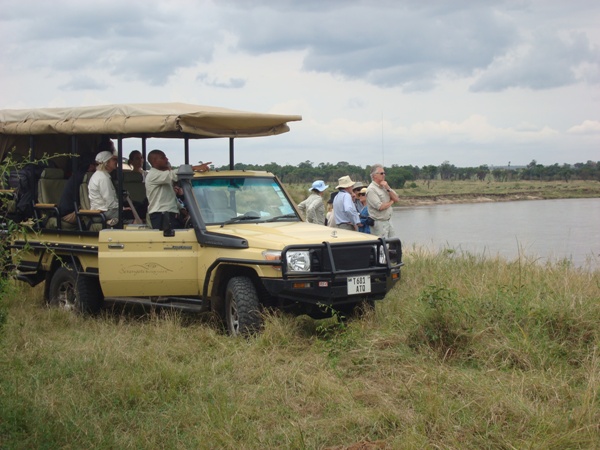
[298, 261]
[381, 253]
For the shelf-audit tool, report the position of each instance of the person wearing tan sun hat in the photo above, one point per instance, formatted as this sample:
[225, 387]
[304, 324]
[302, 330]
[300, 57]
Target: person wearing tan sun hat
[344, 210]
[355, 191]
[365, 220]
[380, 198]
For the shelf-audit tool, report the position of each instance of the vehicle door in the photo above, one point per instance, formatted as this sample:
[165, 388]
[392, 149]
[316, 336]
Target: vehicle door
[143, 262]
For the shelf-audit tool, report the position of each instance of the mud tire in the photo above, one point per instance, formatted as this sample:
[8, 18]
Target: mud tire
[75, 292]
[242, 307]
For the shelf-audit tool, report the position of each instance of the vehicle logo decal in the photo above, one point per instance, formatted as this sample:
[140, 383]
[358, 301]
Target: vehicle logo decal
[149, 267]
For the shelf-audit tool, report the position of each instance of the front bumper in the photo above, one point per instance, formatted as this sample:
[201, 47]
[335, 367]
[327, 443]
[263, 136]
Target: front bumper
[331, 265]
[330, 291]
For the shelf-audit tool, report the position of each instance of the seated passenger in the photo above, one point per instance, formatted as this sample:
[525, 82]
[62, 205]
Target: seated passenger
[136, 161]
[102, 193]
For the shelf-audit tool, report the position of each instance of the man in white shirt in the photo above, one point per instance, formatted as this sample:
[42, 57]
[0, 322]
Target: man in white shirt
[161, 192]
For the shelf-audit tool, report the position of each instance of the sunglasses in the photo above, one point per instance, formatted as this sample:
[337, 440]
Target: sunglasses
[380, 173]
[362, 195]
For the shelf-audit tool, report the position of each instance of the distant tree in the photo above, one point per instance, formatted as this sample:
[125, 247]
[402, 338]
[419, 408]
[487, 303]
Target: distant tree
[499, 174]
[566, 172]
[446, 170]
[429, 172]
[482, 172]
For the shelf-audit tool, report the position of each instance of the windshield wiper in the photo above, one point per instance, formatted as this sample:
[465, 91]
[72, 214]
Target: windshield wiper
[239, 219]
[285, 216]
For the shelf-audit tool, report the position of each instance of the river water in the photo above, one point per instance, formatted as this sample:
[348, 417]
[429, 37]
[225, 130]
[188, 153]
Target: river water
[546, 230]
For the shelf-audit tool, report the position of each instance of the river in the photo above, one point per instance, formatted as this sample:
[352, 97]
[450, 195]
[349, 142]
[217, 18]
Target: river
[546, 230]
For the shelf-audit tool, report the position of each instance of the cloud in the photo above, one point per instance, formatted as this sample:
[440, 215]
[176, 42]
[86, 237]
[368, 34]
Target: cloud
[137, 40]
[230, 83]
[83, 82]
[392, 44]
[546, 61]
[389, 44]
[587, 127]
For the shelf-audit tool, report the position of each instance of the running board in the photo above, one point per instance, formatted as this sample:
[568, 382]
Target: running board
[186, 304]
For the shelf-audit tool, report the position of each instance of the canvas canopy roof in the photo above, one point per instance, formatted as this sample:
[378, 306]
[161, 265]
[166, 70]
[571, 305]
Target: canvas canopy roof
[164, 120]
[151, 120]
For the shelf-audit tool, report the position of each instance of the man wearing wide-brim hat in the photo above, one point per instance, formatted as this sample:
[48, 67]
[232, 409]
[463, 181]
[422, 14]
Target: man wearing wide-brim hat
[344, 210]
[313, 207]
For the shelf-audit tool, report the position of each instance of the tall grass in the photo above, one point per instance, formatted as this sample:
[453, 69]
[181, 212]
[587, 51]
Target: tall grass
[465, 352]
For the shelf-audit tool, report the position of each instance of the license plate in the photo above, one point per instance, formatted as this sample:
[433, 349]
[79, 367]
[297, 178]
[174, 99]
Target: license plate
[359, 285]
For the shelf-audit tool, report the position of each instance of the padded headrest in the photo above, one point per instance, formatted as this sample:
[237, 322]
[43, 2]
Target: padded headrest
[51, 173]
[132, 177]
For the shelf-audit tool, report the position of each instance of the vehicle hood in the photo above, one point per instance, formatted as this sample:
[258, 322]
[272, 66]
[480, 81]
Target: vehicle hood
[277, 235]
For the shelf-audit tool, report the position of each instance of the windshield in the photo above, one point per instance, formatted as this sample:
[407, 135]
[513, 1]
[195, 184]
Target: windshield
[236, 199]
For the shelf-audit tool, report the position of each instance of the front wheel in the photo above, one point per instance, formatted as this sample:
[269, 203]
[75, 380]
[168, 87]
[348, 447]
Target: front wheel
[75, 292]
[242, 307]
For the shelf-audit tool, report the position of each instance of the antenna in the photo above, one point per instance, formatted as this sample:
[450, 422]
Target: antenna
[382, 146]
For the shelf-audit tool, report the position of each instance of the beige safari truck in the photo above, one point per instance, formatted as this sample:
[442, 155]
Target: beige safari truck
[245, 248]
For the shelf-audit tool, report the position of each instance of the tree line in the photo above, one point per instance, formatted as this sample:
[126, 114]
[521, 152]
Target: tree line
[307, 172]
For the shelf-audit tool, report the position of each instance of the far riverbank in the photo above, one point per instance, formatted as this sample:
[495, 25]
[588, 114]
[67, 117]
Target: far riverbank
[472, 198]
[432, 192]
[446, 192]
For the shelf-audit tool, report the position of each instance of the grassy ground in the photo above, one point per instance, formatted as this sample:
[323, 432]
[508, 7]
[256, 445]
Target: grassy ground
[438, 191]
[465, 352]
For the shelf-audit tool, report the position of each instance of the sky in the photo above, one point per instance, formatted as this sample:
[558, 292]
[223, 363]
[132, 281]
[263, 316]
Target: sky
[394, 82]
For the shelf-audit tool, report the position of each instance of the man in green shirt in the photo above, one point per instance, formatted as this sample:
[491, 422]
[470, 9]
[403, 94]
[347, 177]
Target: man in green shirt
[161, 191]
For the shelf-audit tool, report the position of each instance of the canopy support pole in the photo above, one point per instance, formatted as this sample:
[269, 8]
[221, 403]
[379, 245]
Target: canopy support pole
[120, 179]
[231, 161]
[186, 141]
[144, 153]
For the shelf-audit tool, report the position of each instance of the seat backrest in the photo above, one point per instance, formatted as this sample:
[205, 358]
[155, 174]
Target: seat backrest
[84, 193]
[217, 199]
[133, 182]
[218, 204]
[51, 185]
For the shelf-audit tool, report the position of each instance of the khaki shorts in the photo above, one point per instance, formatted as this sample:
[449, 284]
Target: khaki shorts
[383, 228]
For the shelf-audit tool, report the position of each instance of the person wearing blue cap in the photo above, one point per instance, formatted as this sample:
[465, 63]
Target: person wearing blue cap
[313, 207]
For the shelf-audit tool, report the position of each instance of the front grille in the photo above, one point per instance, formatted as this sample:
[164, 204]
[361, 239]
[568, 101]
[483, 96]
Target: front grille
[344, 258]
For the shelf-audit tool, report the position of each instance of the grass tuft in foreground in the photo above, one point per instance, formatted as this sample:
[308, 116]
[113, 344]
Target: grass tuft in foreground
[466, 352]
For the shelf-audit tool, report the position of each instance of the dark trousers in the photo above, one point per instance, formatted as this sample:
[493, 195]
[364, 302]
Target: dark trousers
[156, 219]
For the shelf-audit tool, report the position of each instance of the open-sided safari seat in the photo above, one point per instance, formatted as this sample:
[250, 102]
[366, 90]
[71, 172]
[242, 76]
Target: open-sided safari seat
[50, 187]
[87, 218]
[133, 183]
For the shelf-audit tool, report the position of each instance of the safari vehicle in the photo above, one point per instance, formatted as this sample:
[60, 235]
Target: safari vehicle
[246, 247]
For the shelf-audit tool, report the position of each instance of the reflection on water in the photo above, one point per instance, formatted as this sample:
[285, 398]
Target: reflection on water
[545, 229]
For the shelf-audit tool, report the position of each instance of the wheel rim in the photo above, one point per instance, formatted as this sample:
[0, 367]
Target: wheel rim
[233, 317]
[65, 296]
